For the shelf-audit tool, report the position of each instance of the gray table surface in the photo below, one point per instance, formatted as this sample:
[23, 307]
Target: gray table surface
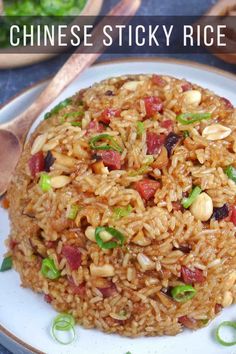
[12, 81]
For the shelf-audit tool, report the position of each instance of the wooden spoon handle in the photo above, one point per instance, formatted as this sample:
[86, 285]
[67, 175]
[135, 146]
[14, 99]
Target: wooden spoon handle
[74, 66]
[1, 7]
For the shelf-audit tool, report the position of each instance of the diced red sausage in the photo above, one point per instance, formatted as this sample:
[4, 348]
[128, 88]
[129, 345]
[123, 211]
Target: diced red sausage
[36, 163]
[72, 255]
[167, 124]
[228, 104]
[154, 142]
[77, 289]
[177, 206]
[157, 80]
[12, 243]
[218, 308]
[48, 298]
[108, 291]
[147, 188]
[186, 86]
[95, 126]
[232, 214]
[153, 104]
[192, 276]
[5, 203]
[51, 244]
[107, 114]
[187, 322]
[110, 158]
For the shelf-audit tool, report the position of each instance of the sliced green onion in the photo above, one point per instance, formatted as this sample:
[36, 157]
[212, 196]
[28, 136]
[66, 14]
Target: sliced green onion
[73, 114]
[111, 244]
[49, 270]
[76, 124]
[140, 128]
[6, 264]
[186, 202]
[121, 212]
[128, 353]
[73, 211]
[141, 171]
[45, 182]
[190, 118]
[112, 146]
[58, 107]
[65, 323]
[148, 160]
[218, 336]
[186, 134]
[230, 171]
[182, 293]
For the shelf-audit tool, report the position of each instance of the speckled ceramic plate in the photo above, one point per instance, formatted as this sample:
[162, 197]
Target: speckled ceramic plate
[24, 316]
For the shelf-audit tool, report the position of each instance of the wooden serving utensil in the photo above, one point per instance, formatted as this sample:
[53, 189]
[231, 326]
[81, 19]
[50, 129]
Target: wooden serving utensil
[224, 8]
[13, 133]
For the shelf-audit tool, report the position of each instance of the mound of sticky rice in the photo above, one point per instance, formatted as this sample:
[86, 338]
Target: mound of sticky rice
[122, 206]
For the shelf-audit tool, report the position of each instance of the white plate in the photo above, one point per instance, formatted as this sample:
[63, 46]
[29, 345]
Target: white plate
[25, 317]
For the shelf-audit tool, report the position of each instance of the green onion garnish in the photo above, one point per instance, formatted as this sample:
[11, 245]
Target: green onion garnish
[65, 323]
[218, 336]
[76, 124]
[182, 293]
[140, 128]
[45, 182]
[73, 114]
[6, 264]
[141, 171]
[186, 134]
[111, 244]
[49, 270]
[73, 211]
[58, 107]
[148, 160]
[230, 171]
[121, 212]
[190, 118]
[186, 202]
[112, 146]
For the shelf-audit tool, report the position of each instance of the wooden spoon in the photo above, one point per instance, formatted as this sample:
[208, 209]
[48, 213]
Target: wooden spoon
[223, 8]
[13, 133]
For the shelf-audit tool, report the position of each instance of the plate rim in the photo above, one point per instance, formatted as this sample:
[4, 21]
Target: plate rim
[168, 60]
